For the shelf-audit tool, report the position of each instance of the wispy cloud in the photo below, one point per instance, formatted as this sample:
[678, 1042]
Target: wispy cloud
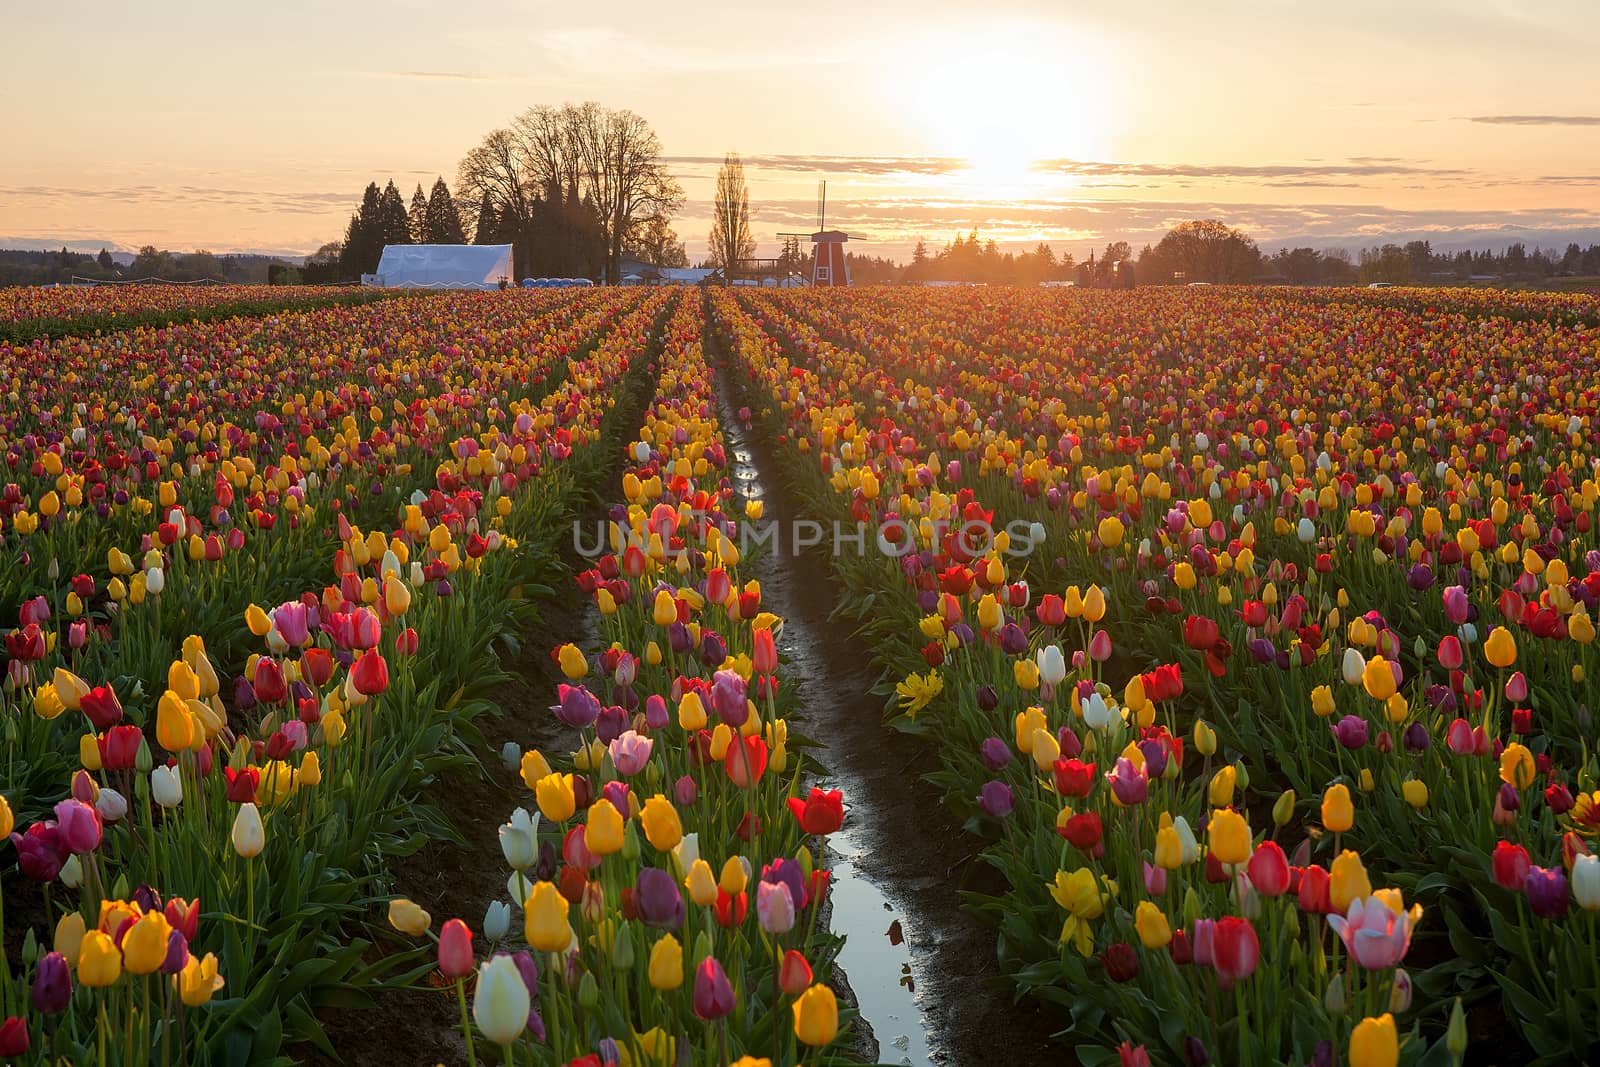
[1365, 167]
[251, 200]
[1536, 120]
[866, 165]
[445, 75]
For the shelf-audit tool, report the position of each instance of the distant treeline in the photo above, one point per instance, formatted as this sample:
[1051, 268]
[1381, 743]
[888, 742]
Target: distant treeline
[59, 268]
[1210, 251]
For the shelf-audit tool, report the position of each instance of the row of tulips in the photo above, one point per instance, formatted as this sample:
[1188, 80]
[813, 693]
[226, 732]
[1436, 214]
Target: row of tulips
[225, 820]
[667, 876]
[125, 496]
[37, 313]
[1458, 777]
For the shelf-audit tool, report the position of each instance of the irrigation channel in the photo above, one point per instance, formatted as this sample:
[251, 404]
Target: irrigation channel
[923, 971]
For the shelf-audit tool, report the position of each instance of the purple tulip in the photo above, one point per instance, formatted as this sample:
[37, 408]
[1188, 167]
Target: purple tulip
[656, 716]
[988, 699]
[617, 793]
[1013, 641]
[713, 996]
[1351, 731]
[1155, 757]
[1128, 782]
[1416, 738]
[177, 953]
[1420, 577]
[1546, 888]
[995, 799]
[996, 753]
[685, 791]
[728, 698]
[52, 984]
[244, 694]
[578, 707]
[610, 724]
[40, 852]
[962, 633]
[713, 649]
[657, 900]
[787, 872]
[678, 638]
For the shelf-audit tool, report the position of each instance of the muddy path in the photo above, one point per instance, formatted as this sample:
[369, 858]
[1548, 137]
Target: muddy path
[923, 971]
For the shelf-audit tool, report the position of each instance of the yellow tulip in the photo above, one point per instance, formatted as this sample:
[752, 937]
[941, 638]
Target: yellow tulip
[556, 797]
[1229, 835]
[1375, 1043]
[1516, 766]
[69, 936]
[1151, 923]
[409, 917]
[1220, 792]
[69, 688]
[534, 767]
[666, 965]
[545, 913]
[602, 832]
[662, 827]
[198, 981]
[1378, 679]
[1501, 648]
[702, 885]
[175, 727]
[735, 876]
[144, 946]
[99, 961]
[1415, 792]
[1338, 813]
[816, 1016]
[1347, 881]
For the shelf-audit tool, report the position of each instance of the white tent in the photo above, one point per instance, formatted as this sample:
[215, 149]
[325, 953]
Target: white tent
[443, 266]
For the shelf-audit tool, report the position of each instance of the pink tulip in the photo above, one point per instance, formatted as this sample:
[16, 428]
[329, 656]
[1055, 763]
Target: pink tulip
[1375, 936]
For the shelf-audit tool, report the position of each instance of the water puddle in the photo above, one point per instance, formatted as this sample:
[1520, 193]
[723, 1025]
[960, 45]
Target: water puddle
[922, 970]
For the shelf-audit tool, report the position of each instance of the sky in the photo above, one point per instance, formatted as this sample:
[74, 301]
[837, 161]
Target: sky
[239, 127]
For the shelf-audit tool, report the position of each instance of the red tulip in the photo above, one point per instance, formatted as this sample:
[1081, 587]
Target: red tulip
[822, 812]
[1269, 870]
[1074, 778]
[794, 975]
[455, 949]
[1236, 950]
[1510, 865]
[370, 673]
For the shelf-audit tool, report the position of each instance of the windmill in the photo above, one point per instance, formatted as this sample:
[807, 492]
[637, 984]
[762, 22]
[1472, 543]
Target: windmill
[828, 265]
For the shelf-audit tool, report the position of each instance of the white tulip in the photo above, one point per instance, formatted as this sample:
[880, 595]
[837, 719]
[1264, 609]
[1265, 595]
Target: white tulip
[497, 920]
[111, 805]
[166, 787]
[517, 842]
[501, 1005]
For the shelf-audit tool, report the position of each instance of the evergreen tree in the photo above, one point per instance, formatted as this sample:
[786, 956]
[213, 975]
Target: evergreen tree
[363, 239]
[486, 231]
[394, 223]
[443, 225]
[107, 263]
[417, 217]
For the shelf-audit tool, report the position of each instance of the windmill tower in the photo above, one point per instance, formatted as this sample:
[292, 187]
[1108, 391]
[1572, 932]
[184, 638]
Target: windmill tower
[828, 264]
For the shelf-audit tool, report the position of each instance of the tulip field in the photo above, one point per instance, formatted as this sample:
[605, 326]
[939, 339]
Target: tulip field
[1251, 631]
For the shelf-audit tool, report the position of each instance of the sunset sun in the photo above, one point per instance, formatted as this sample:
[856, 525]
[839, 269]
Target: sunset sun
[1002, 100]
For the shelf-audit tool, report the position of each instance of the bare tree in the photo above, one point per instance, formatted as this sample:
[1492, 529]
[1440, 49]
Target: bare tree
[496, 174]
[730, 240]
[606, 158]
